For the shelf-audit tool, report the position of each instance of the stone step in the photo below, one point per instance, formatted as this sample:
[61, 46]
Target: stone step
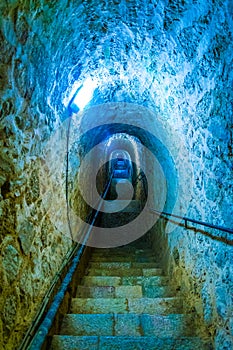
[123, 258]
[141, 243]
[124, 272]
[113, 272]
[100, 281]
[138, 245]
[160, 306]
[146, 265]
[66, 342]
[117, 220]
[127, 255]
[123, 250]
[116, 205]
[110, 265]
[125, 291]
[109, 292]
[174, 325]
[114, 281]
[128, 265]
[149, 291]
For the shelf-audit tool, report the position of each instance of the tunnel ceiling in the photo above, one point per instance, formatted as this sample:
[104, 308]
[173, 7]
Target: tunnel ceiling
[139, 51]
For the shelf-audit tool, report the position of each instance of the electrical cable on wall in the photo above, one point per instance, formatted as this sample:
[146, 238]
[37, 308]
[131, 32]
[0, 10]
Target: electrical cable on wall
[67, 177]
[79, 100]
[71, 108]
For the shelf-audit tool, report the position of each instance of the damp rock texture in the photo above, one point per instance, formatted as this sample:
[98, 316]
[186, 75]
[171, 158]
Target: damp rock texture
[32, 245]
[173, 57]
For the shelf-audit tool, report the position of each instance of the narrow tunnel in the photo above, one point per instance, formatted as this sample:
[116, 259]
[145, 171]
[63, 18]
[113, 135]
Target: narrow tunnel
[116, 133]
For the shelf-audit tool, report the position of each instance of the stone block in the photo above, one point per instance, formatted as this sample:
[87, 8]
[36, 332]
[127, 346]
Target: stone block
[127, 325]
[157, 291]
[87, 325]
[110, 265]
[95, 292]
[150, 343]
[101, 281]
[152, 272]
[145, 281]
[128, 291]
[99, 306]
[145, 265]
[120, 272]
[150, 306]
[166, 326]
[62, 342]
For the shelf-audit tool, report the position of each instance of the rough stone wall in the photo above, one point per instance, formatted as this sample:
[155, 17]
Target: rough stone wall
[197, 101]
[32, 248]
[199, 265]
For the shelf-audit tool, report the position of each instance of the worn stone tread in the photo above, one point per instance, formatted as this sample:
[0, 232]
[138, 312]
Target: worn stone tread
[95, 292]
[145, 281]
[126, 290]
[124, 272]
[125, 255]
[151, 343]
[174, 325]
[101, 281]
[123, 251]
[61, 342]
[123, 258]
[109, 292]
[109, 265]
[114, 272]
[125, 305]
[146, 265]
[67, 342]
[150, 291]
[114, 265]
[127, 280]
[88, 324]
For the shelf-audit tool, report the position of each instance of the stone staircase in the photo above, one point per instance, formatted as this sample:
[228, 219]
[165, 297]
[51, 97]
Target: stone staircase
[120, 216]
[124, 303]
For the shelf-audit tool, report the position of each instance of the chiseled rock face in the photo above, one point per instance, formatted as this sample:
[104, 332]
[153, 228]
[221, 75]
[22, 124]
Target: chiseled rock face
[175, 58]
[32, 247]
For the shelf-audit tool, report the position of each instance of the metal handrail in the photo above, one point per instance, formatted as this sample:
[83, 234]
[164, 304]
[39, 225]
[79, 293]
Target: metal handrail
[37, 333]
[186, 220]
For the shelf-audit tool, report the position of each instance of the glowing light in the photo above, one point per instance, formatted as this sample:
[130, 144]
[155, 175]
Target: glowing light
[84, 94]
